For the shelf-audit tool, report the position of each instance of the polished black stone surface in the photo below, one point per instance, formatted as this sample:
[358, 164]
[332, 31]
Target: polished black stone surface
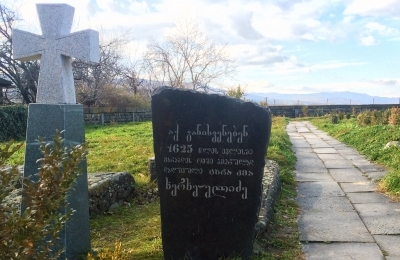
[210, 152]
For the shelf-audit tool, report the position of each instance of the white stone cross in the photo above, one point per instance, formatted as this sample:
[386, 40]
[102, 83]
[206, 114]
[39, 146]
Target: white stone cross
[54, 48]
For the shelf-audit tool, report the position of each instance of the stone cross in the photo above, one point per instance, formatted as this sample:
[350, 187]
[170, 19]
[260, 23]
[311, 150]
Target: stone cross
[55, 47]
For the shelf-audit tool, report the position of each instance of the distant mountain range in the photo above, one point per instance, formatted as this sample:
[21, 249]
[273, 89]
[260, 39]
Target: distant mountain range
[322, 98]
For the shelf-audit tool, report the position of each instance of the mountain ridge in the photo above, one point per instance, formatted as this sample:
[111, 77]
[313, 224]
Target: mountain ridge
[321, 98]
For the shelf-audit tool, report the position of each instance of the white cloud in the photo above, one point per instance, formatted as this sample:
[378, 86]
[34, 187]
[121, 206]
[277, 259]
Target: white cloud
[368, 40]
[381, 29]
[374, 8]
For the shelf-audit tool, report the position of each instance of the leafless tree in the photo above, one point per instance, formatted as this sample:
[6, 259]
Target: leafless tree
[96, 83]
[187, 59]
[24, 75]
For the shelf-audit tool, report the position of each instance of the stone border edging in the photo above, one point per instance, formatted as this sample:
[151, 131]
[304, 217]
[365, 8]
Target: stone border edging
[271, 190]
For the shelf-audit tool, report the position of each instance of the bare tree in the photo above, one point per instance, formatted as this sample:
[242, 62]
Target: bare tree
[96, 82]
[187, 59]
[24, 75]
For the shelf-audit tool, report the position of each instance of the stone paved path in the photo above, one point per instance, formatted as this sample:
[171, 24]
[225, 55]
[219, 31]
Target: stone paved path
[342, 216]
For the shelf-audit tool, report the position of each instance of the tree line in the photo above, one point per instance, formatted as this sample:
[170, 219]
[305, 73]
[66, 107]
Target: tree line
[186, 58]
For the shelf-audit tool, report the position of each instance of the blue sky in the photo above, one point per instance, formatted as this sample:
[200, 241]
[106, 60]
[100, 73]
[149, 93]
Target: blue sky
[298, 46]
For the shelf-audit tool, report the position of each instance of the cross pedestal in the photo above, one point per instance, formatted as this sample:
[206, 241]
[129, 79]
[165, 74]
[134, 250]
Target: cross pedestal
[75, 237]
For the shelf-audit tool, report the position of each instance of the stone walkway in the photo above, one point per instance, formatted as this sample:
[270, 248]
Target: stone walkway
[342, 216]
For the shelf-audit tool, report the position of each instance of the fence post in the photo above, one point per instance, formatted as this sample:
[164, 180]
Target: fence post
[102, 119]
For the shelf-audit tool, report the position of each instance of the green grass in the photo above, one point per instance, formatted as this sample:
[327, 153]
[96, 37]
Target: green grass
[370, 141]
[124, 147]
[127, 147]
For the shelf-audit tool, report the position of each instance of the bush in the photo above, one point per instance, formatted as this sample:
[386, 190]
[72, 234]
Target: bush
[394, 117]
[364, 118]
[13, 122]
[304, 109]
[334, 119]
[34, 233]
[340, 115]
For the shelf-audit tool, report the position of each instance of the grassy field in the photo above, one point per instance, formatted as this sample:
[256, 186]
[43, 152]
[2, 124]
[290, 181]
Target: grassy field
[127, 147]
[369, 141]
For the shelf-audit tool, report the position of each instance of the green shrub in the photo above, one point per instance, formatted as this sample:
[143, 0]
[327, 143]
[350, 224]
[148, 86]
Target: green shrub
[334, 119]
[304, 109]
[340, 115]
[348, 116]
[364, 118]
[34, 233]
[13, 122]
[354, 112]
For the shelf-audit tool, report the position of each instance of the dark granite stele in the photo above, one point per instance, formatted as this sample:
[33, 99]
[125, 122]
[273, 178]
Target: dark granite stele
[209, 154]
[43, 121]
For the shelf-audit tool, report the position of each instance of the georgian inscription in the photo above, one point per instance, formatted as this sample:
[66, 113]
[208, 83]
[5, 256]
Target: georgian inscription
[222, 153]
[210, 191]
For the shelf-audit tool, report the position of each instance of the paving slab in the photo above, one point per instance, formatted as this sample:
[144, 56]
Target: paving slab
[330, 156]
[334, 142]
[360, 162]
[371, 168]
[313, 166]
[319, 188]
[325, 204]
[380, 219]
[354, 157]
[332, 227]
[300, 144]
[361, 186]
[338, 164]
[367, 197]
[347, 150]
[311, 176]
[296, 138]
[390, 244]
[308, 156]
[320, 145]
[376, 176]
[298, 150]
[325, 150]
[303, 129]
[347, 175]
[342, 251]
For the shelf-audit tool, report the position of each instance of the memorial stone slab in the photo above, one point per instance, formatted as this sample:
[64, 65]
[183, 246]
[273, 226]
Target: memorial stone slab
[210, 153]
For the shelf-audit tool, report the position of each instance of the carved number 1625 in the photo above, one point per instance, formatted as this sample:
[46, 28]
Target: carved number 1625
[182, 148]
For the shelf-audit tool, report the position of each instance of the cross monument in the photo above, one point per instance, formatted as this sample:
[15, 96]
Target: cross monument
[54, 48]
[56, 108]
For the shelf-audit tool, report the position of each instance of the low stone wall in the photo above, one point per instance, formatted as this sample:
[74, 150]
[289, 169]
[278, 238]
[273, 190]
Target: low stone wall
[109, 190]
[109, 115]
[106, 191]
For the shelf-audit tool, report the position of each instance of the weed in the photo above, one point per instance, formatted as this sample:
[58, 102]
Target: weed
[22, 236]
